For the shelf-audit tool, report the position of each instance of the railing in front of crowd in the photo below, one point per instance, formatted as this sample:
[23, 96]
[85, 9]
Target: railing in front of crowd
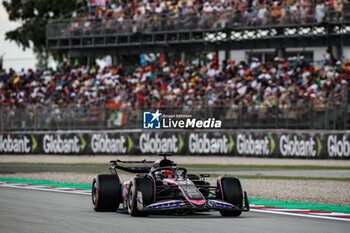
[247, 18]
[332, 117]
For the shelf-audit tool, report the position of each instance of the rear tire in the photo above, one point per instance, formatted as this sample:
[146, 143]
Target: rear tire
[145, 186]
[106, 193]
[232, 193]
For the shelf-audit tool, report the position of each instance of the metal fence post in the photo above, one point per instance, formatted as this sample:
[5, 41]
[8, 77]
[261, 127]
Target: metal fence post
[139, 112]
[103, 115]
[347, 102]
[312, 116]
[2, 118]
[206, 104]
[334, 118]
[35, 118]
[241, 117]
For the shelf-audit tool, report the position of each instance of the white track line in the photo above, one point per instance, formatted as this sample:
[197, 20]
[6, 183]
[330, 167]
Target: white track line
[300, 215]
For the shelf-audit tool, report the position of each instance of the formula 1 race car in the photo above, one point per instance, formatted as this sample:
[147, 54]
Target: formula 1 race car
[162, 187]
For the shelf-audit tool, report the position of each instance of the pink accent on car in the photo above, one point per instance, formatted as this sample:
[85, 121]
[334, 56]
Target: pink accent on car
[125, 192]
[199, 202]
[222, 191]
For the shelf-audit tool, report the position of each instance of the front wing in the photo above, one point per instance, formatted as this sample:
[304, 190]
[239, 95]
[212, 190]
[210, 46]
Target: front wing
[184, 205]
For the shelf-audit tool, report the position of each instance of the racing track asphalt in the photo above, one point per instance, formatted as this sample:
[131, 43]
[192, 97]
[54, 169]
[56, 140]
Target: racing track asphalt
[38, 211]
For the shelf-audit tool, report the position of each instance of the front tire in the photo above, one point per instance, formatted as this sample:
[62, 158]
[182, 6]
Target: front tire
[145, 186]
[230, 190]
[106, 193]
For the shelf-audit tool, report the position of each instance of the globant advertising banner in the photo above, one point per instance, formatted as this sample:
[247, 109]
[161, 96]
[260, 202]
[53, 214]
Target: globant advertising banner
[274, 144]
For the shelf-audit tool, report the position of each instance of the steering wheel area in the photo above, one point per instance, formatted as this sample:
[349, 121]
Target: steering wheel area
[164, 171]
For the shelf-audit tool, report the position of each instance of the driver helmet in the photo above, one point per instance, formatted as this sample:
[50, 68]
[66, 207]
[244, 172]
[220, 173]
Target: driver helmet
[167, 173]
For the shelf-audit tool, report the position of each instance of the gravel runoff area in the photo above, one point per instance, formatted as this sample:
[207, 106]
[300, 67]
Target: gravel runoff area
[177, 159]
[316, 191]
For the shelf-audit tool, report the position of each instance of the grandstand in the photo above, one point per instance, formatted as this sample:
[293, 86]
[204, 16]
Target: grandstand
[136, 27]
[292, 92]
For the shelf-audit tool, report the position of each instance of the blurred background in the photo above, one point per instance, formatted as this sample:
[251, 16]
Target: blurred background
[99, 64]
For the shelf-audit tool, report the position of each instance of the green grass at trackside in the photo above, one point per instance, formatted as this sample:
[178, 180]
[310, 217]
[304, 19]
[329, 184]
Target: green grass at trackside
[300, 205]
[199, 166]
[45, 183]
[254, 201]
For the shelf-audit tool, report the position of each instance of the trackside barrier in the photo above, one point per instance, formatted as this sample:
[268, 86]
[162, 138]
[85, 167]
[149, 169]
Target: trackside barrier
[254, 143]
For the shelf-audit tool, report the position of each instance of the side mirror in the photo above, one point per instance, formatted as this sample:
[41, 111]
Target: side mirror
[113, 163]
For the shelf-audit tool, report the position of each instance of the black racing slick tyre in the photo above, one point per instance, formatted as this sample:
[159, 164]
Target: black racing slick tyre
[230, 190]
[145, 186]
[106, 193]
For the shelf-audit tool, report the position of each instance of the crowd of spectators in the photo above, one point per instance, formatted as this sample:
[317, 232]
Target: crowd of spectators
[280, 82]
[153, 15]
[87, 95]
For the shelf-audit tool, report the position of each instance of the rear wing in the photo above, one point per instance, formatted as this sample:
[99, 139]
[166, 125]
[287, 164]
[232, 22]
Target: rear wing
[128, 166]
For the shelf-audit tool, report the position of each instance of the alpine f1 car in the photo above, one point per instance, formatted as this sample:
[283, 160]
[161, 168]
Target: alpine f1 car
[163, 187]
